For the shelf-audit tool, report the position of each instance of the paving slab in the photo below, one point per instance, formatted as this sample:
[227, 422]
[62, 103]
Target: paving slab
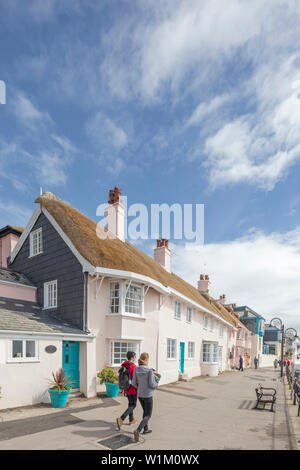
[203, 413]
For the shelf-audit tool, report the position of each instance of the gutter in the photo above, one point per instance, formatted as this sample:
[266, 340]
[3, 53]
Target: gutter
[46, 335]
[117, 273]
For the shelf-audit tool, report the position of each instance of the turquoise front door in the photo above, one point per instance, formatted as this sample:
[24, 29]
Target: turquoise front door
[181, 365]
[70, 362]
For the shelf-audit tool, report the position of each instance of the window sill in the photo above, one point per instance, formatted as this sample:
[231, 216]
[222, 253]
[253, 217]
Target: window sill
[171, 359]
[49, 308]
[129, 315]
[37, 254]
[22, 361]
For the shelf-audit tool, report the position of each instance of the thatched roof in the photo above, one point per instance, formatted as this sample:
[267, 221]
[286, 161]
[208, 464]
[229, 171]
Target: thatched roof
[107, 251]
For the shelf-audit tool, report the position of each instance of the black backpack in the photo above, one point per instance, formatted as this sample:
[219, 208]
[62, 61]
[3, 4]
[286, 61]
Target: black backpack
[124, 377]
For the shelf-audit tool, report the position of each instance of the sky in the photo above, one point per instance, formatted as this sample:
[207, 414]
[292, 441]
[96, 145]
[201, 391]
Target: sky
[175, 101]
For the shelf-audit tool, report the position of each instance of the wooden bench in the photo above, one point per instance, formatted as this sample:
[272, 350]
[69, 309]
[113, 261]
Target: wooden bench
[265, 395]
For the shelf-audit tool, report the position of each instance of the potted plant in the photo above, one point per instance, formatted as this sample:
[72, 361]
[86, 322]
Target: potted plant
[59, 392]
[110, 378]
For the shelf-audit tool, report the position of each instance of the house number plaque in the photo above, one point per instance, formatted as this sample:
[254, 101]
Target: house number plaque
[50, 349]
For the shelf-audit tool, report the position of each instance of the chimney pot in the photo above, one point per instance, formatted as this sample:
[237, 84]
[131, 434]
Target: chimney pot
[115, 214]
[204, 283]
[162, 254]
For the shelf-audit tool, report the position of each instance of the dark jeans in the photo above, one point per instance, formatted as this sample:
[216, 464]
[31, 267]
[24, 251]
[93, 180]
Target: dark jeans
[241, 367]
[147, 405]
[132, 399]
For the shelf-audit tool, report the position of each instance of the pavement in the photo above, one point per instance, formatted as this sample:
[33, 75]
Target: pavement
[204, 413]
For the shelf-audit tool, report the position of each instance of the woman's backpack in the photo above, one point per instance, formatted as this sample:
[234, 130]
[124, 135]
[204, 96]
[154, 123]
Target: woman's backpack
[124, 377]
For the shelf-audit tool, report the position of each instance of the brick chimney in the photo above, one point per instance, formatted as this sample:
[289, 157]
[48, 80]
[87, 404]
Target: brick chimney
[115, 214]
[9, 237]
[204, 284]
[162, 254]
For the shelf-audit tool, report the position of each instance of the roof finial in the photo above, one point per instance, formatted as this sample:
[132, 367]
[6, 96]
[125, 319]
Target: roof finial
[41, 190]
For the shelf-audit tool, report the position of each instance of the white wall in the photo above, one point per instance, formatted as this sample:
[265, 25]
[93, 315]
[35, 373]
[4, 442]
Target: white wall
[26, 383]
[153, 331]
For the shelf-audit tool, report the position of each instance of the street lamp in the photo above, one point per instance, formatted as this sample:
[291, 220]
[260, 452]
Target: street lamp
[277, 322]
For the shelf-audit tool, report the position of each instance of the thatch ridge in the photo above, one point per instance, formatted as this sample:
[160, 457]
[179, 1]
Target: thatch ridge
[107, 251]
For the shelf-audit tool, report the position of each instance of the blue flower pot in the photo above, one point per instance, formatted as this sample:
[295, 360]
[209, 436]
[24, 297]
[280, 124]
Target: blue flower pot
[112, 390]
[59, 398]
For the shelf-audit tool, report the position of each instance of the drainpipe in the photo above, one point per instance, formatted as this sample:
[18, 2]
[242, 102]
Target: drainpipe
[85, 292]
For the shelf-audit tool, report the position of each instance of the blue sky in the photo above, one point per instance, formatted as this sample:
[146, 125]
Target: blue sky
[173, 101]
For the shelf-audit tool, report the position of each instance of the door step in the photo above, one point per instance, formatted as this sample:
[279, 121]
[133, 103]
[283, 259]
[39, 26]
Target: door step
[184, 377]
[75, 393]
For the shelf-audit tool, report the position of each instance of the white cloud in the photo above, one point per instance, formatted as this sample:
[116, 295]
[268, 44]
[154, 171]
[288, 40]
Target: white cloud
[260, 147]
[106, 132]
[206, 108]
[258, 270]
[164, 43]
[25, 110]
[51, 169]
[14, 214]
[117, 167]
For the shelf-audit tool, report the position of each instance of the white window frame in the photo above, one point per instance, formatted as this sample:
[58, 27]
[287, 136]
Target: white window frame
[22, 358]
[212, 325]
[128, 348]
[177, 310]
[123, 289]
[189, 314]
[172, 348]
[212, 353]
[205, 322]
[221, 331]
[111, 297]
[39, 244]
[191, 350]
[46, 297]
[127, 286]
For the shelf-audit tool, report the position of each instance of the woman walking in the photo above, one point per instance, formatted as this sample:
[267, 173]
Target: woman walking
[146, 381]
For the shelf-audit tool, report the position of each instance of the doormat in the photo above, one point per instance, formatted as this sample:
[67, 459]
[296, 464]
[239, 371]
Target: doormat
[117, 441]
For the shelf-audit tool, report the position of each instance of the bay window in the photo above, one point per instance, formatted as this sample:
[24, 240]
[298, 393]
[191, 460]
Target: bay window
[210, 352]
[119, 349]
[126, 298]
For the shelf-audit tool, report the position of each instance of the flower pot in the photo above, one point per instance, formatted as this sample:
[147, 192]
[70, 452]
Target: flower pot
[112, 390]
[59, 398]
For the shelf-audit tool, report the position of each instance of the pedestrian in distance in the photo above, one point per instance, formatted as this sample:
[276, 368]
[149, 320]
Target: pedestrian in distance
[146, 381]
[288, 363]
[275, 363]
[284, 363]
[125, 382]
[255, 362]
[241, 362]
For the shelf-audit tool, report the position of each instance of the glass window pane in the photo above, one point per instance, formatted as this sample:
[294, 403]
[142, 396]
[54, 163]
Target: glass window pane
[30, 349]
[17, 348]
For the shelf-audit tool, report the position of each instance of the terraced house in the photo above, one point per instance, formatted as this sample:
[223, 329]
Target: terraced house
[94, 296]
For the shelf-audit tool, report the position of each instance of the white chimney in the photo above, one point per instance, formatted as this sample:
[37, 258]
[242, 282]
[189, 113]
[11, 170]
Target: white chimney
[115, 214]
[204, 284]
[222, 299]
[162, 254]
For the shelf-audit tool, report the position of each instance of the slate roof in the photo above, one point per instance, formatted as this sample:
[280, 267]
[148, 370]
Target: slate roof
[18, 315]
[8, 275]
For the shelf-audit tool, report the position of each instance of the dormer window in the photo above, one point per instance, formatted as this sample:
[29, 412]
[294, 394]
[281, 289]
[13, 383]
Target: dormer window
[36, 242]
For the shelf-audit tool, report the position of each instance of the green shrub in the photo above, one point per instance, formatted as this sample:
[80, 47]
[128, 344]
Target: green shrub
[108, 375]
